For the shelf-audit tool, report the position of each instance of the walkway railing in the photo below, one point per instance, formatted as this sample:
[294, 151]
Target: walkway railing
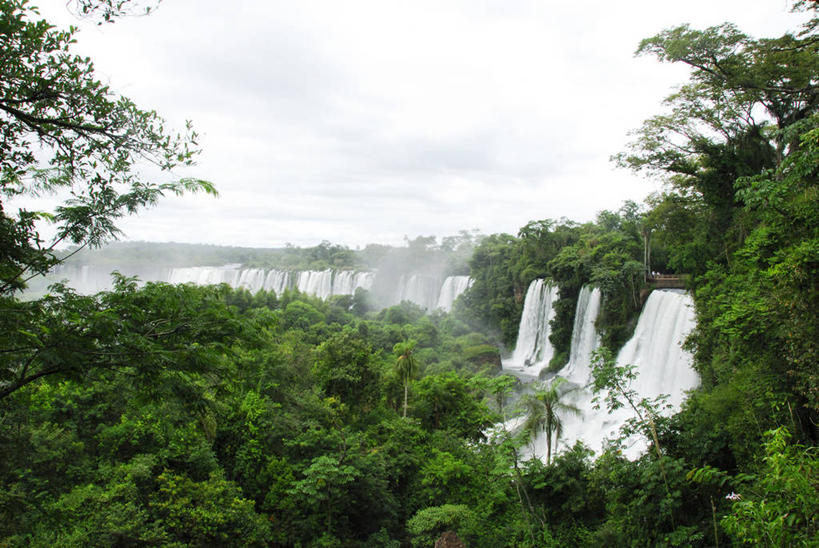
[670, 281]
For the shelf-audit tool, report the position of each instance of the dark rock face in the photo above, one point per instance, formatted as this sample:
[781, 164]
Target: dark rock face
[449, 540]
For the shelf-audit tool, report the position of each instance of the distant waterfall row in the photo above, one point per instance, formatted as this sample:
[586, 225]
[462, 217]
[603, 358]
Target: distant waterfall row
[655, 349]
[429, 292]
[321, 283]
[426, 291]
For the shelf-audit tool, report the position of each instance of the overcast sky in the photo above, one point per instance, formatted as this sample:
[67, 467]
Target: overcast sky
[359, 122]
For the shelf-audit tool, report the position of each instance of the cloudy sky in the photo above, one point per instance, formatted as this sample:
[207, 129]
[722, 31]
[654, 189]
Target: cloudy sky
[364, 121]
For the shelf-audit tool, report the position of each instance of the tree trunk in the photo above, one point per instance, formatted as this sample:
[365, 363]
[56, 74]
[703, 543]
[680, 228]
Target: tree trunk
[548, 448]
[406, 386]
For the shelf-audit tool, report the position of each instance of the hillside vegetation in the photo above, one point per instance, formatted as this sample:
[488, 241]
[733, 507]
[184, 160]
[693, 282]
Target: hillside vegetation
[209, 416]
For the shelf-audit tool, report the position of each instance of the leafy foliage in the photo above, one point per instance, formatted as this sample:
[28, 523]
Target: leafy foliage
[95, 144]
[190, 416]
[779, 508]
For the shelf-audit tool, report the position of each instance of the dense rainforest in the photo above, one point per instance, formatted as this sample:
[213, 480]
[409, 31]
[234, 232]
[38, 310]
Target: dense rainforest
[179, 415]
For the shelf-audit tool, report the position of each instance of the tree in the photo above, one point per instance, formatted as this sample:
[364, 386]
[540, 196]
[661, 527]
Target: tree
[732, 76]
[61, 129]
[738, 149]
[543, 410]
[428, 524]
[614, 382]
[107, 11]
[449, 401]
[406, 365]
[149, 330]
[325, 480]
[779, 508]
[344, 367]
[500, 388]
[742, 112]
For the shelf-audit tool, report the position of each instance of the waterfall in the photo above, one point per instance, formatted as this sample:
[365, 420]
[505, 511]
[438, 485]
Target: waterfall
[316, 282]
[252, 279]
[585, 338]
[327, 283]
[206, 275]
[346, 282]
[343, 283]
[364, 280]
[419, 289]
[655, 349]
[86, 279]
[533, 349]
[663, 366]
[277, 281]
[90, 279]
[453, 286]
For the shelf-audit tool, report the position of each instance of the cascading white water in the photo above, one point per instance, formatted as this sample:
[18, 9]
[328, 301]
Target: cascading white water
[252, 279]
[316, 282]
[419, 289]
[364, 280]
[343, 283]
[85, 279]
[277, 281]
[662, 367]
[452, 288]
[585, 338]
[533, 350]
[90, 279]
[327, 283]
[206, 275]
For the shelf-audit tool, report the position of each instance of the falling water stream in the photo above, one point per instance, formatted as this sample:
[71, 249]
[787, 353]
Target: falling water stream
[533, 350]
[655, 349]
[427, 291]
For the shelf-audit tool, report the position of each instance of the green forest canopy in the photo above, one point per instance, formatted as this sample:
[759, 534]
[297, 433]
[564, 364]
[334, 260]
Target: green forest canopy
[201, 416]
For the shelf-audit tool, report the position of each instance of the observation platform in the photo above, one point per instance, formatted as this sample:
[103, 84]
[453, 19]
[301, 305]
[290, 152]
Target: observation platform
[667, 281]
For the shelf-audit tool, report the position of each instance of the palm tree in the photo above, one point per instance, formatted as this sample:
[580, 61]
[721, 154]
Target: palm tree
[543, 410]
[405, 365]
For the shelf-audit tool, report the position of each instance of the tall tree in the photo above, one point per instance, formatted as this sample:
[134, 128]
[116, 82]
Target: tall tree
[741, 112]
[62, 129]
[543, 413]
[406, 366]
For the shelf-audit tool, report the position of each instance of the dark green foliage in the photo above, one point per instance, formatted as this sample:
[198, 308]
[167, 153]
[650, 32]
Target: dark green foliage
[495, 297]
[778, 508]
[450, 402]
[571, 502]
[141, 330]
[190, 416]
[345, 367]
[273, 425]
[428, 524]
